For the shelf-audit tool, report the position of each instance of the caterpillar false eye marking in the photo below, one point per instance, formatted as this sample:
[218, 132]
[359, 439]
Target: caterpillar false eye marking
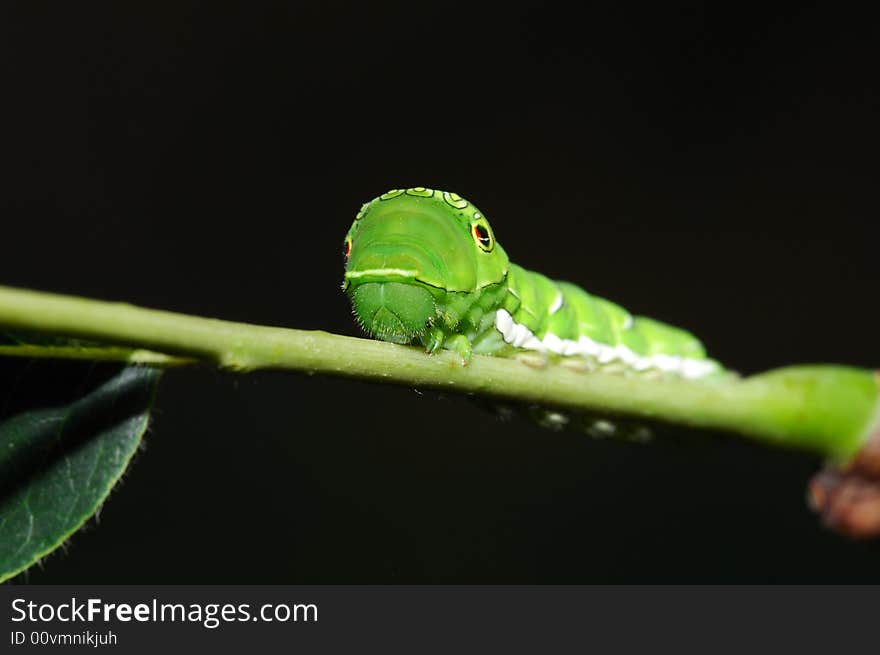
[482, 236]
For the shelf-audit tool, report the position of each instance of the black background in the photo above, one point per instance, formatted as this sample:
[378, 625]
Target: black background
[713, 168]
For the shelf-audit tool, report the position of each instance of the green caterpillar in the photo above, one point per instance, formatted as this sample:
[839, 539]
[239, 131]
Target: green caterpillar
[423, 266]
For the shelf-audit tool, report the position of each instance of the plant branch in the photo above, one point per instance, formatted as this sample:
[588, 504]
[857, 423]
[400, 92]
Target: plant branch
[95, 354]
[830, 410]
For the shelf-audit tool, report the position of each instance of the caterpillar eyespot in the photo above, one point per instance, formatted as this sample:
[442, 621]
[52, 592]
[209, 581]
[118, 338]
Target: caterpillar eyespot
[428, 270]
[482, 236]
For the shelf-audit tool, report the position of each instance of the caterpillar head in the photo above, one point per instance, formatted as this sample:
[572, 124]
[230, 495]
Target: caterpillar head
[407, 251]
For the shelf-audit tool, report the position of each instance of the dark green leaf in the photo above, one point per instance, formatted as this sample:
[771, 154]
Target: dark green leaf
[58, 462]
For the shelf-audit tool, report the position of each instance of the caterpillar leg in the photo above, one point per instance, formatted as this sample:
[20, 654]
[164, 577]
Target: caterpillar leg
[460, 344]
[435, 339]
[533, 359]
[578, 364]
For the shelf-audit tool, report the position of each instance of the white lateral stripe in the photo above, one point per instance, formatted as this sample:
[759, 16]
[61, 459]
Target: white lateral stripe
[504, 324]
[556, 304]
[519, 336]
[585, 346]
[399, 272]
[607, 354]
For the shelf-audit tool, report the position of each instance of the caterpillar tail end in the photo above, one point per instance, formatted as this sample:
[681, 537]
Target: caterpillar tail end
[847, 498]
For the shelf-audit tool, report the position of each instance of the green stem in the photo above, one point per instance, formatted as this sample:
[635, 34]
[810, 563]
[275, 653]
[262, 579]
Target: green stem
[830, 410]
[95, 354]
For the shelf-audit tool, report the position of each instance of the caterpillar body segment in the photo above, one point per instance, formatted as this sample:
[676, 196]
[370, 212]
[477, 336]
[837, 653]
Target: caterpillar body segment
[423, 266]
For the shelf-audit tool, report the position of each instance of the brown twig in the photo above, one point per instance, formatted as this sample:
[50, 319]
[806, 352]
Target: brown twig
[848, 498]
